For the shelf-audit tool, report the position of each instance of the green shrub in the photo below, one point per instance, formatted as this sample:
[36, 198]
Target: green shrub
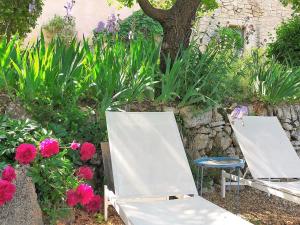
[61, 27]
[286, 47]
[117, 73]
[198, 78]
[8, 76]
[13, 132]
[68, 87]
[272, 82]
[19, 16]
[227, 38]
[53, 177]
[139, 24]
[49, 75]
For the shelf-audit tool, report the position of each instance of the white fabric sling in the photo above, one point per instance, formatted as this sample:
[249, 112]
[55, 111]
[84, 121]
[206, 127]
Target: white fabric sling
[149, 164]
[269, 153]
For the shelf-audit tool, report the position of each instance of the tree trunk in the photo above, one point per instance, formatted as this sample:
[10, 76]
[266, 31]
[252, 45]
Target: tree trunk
[177, 25]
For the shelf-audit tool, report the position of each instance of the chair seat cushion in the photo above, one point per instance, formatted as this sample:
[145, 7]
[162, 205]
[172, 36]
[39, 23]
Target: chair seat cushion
[189, 211]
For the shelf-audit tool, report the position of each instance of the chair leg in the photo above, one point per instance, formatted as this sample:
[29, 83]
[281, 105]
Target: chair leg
[223, 184]
[105, 203]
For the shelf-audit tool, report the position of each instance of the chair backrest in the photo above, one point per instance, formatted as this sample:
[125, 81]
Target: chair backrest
[266, 147]
[147, 154]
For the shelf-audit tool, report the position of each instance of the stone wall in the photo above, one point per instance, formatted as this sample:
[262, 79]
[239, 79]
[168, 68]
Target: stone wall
[209, 133]
[257, 19]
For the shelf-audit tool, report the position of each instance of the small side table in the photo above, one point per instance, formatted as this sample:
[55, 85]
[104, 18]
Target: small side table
[220, 163]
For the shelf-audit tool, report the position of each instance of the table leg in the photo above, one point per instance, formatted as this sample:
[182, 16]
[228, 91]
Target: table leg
[230, 180]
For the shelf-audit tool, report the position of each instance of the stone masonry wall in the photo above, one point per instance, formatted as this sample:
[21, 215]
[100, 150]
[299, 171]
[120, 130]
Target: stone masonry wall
[257, 18]
[210, 133]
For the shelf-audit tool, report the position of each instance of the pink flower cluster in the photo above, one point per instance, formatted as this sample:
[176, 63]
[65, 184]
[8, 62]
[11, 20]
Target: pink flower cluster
[7, 188]
[26, 153]
[84, 195]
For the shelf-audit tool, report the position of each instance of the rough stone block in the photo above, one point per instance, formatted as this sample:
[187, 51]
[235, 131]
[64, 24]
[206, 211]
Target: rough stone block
[24, 208]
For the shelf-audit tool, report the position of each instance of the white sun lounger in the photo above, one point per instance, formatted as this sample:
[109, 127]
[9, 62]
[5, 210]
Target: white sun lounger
[270, 157]
[149, 166]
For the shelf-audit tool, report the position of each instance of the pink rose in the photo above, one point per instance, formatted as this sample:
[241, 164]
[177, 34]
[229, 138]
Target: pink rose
[7, 191]
[9, 174]
[85, 172]
[87, 151]
[25, 153]
[75, 145]
[49, 147]
[84, 193]
[72, 198]
[94, 204]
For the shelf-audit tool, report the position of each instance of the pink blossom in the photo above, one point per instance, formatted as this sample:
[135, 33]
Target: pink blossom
[75, 145]
[85, 172]
[94, 204]
[49, 147]
[87, 151]
[7, 191]
[9, 173]
[25, 153]
[84, 193]
[72, 198]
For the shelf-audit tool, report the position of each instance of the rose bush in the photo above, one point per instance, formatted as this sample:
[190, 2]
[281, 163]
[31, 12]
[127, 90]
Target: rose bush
[56, 180]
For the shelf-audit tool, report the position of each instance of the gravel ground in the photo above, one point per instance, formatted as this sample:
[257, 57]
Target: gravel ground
[258, 208]
[255, 206]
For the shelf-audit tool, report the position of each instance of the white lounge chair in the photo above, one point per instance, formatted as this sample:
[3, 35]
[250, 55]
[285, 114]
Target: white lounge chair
[270, 157]
[150, 168]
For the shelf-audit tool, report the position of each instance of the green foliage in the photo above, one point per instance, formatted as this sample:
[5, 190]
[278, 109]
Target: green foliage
[167, 4]
[198, 78]
[53, 177]
[117, 74]
[295, 4]
[61, 27]
[13, 132]
[140, 24]
[286, 46]
[271, 82]
[58, 82]
[228, 38]
[16, 18]
[49, 75]
[68, 87]
[7, 75]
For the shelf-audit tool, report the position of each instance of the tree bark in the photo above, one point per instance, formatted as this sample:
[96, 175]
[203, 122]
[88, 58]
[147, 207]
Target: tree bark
[177, 26]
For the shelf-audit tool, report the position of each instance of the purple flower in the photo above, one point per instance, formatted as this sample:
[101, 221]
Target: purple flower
[69, 6]
[32, 7]
[112, 24]
[100, 27]
[239, 112]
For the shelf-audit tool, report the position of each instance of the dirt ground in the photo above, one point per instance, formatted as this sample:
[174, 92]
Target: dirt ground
[255, 206]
